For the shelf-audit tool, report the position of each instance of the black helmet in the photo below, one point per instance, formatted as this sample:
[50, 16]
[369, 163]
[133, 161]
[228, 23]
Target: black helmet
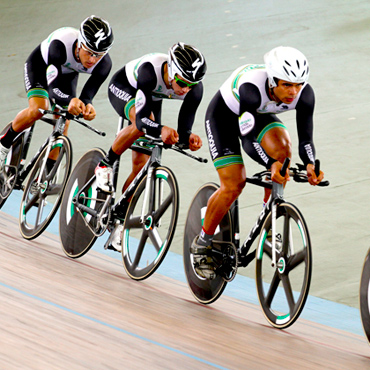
[96, 34]
[186, 61]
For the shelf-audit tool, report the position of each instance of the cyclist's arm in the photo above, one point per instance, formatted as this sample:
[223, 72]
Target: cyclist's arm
[98, 76]
[250, 100]
[305, 108]
[187, 113]
[146, 83]
[56, 58]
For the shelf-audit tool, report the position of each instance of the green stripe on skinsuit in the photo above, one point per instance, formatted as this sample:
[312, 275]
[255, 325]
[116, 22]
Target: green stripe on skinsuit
[37, 93]
[128, 106]
[269, 127]
[228, 161]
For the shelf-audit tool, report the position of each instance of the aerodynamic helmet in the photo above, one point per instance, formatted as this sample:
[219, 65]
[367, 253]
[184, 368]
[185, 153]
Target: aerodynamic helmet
[187, 62]
[96, 34]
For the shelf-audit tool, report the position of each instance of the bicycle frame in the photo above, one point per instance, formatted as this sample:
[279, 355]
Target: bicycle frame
[271, 205]
[25, 170]
[149, 167]
[153, 162]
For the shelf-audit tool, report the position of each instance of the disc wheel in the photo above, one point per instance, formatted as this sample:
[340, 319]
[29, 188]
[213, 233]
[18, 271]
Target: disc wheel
[150, 225]
[365, 296]
[79, 230]
[283, 289]
[44, 190]
[204, 290]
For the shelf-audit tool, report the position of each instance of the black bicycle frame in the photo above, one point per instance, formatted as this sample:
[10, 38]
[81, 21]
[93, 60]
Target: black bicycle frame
[24, 171]
[150, 165]
[276, 198]
[153, 162]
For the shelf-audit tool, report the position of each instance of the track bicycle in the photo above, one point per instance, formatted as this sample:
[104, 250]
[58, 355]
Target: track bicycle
[365, 296]
[283, 253]
[148, 209]
[44, 179]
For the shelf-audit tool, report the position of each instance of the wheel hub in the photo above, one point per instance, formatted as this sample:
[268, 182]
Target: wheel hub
[148, 223]
[281, 265]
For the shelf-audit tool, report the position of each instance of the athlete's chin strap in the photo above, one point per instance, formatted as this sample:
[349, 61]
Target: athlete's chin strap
[272, 95]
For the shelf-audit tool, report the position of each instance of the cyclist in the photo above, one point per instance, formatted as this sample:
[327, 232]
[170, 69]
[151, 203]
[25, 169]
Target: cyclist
[136, 93]
[245, 109]
[51, 73]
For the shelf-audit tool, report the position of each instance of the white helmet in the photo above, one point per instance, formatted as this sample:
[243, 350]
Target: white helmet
[286, 63]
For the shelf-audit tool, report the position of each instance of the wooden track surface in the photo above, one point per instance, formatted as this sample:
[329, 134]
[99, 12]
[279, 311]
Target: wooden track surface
[59, 313]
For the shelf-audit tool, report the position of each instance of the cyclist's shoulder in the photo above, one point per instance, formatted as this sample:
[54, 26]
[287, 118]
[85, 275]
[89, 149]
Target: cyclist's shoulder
[64, 34]
[253, 74]
[147, 63]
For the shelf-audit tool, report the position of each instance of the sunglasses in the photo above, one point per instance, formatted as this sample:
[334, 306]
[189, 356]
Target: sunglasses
[92, 53]
[183, 83]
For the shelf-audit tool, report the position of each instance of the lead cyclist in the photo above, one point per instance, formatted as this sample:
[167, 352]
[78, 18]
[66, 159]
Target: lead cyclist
[245, 110]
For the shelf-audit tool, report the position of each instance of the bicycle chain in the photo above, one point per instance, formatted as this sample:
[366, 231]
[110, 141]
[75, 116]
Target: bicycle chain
[103, 227]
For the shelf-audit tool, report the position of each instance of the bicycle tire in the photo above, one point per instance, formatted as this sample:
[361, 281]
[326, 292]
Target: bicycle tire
[76, 237]
[365, 296]
[145, 244]
[205, 291]
[40, 204]
[9, 178]
[283, 305]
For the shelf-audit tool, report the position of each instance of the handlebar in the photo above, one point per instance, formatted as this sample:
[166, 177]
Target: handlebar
[298, 174]
[68, 116]
[160, 143]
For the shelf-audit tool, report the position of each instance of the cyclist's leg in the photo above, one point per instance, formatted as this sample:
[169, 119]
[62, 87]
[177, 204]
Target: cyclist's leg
[275, 140]
[22, 121]
[35, 84]
[225, 151]
[138, 162]
[224, 146]
[232, 181]
[27, 117]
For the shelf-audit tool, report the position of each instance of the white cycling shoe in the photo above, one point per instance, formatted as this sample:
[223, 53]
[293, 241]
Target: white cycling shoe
[115, 240]
[3, 154]
[104, 177]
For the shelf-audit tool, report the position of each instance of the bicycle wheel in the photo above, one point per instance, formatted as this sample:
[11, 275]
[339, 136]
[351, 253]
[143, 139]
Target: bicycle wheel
[283, 290]
[8, 177]
[145, 242]
[205, 291]
[75, 227]
[365, 296]
[44, 190]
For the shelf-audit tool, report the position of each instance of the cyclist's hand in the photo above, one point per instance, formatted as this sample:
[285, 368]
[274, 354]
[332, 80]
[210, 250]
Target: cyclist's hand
[195, 142]
[90, 112]
[169, 135]
[311, 176]
[275, 173]
[76, 107]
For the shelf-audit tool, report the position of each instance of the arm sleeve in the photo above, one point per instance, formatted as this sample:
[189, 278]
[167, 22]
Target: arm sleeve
[305, 109]
[187, 113]
[250, 100]
[98, 76]
[146, 83]
[56, 58]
